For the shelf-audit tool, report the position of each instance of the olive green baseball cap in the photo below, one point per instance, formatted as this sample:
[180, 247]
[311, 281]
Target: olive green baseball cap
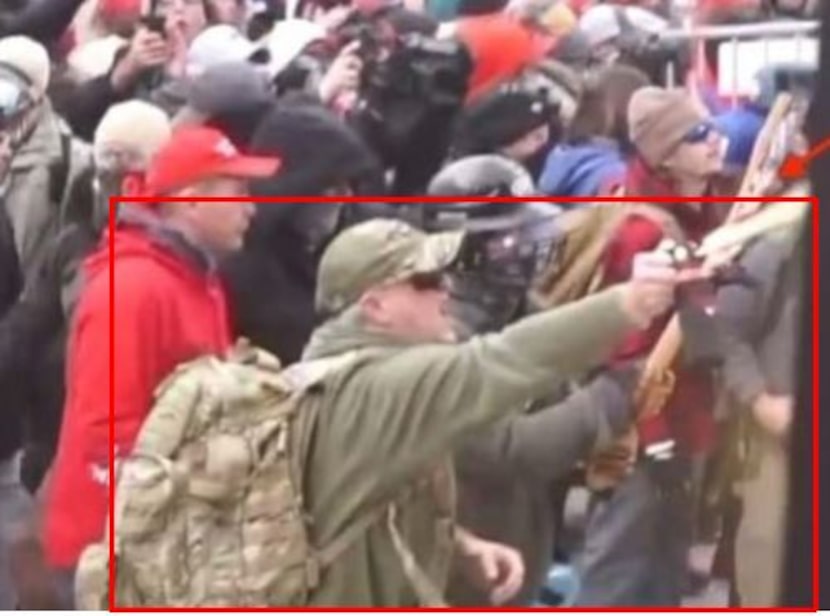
[376, 252]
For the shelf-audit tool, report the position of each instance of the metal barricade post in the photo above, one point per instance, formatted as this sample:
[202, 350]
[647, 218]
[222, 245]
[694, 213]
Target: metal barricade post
[769, 35]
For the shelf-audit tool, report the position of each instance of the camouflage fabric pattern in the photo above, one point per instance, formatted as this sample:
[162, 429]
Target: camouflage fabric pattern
[376, 252]
[208, 510]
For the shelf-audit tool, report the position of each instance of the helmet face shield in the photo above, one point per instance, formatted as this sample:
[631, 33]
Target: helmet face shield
[15, 99]
[512, 251]
[17, 107]
[508, 243]
[495, 270]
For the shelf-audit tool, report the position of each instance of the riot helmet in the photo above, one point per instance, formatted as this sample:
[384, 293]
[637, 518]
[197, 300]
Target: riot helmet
[508, 242]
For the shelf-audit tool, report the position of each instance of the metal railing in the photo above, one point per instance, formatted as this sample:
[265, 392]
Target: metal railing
[783, 40]
[742, 31]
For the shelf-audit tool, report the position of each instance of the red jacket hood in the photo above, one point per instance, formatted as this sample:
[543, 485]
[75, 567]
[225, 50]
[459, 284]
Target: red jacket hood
[140, 232]
[170, 308]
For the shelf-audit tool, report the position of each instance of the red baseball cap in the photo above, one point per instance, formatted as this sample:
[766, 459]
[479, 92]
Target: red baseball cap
[197, 153]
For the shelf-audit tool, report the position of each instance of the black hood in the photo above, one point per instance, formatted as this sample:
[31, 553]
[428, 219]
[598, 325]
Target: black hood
[271, 281]
[318, 152]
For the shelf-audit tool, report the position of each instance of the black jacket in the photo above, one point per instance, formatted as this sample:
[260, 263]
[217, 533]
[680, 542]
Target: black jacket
[271, 282]
[42, 20]
[85, 104]
[33, 327]
[10, 286]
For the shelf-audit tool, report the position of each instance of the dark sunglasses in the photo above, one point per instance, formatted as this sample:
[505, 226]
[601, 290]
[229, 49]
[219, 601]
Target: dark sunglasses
[699, 133]
[431, 281]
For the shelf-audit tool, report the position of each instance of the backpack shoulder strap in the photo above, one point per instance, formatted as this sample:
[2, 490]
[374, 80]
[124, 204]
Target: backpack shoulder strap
[426, 591]
[303, 377]
[70, 179]
[59, 170]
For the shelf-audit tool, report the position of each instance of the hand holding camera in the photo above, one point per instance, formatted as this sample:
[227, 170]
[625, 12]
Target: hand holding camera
[343, 76]
[148, 50]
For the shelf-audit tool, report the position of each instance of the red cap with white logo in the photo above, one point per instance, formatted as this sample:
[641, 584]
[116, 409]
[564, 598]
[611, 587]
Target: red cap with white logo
[198, 153]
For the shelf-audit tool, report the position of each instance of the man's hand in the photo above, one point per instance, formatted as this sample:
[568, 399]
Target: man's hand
[343, 76]
[650, 293]
[492, 567]
[147, 50]
[774, 413]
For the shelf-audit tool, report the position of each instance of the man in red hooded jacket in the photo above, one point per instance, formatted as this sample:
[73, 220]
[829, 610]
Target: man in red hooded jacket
[639, 535]
[169, 308]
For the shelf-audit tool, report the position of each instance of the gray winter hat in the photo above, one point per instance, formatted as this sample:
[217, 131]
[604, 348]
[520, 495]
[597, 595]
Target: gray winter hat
[225, 88]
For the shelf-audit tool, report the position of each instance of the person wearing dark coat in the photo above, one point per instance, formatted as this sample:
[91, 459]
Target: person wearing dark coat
[758, 333]
[143, 70]
[272, 280]
[508, 474]
[15, 504]
[11, 284]
[42, 20]
[512, 121]
[33, 332]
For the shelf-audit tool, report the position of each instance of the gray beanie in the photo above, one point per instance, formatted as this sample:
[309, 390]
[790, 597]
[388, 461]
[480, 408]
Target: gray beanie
[658, 119]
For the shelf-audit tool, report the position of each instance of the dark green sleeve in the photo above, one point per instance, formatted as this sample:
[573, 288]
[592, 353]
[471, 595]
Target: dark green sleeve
[545, 445]
[405, 411]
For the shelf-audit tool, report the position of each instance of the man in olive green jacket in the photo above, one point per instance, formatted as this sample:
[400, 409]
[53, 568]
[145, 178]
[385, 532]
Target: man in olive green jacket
[381, 425]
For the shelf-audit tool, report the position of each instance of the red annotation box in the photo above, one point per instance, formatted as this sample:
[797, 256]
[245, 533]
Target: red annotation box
[609, 201]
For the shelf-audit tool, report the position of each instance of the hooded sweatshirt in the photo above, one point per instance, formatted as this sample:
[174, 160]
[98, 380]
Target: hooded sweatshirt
[581, 170]
[170, 309]
[272, 280]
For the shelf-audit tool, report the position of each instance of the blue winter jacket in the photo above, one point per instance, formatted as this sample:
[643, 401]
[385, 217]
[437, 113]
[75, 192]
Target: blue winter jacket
[581, 170]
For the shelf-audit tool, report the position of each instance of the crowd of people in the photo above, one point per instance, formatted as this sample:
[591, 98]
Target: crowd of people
[464, 364]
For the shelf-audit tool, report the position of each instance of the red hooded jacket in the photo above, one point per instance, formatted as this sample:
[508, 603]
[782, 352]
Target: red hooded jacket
[168, 308]
[688, 413]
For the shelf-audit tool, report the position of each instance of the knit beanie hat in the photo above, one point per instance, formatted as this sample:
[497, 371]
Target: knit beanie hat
[501, 118]
[134, 128]
[658, 119]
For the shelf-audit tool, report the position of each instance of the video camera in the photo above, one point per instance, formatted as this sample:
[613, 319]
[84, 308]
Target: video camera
[408, 102]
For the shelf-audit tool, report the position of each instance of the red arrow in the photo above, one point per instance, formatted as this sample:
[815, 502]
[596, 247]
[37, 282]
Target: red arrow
[795, 166]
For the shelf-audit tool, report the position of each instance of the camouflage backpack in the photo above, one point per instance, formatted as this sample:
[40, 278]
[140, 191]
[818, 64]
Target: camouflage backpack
[208, 508]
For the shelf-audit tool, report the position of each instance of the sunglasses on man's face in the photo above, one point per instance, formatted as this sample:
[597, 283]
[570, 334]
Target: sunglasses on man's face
[699, 133]
[432, 281]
